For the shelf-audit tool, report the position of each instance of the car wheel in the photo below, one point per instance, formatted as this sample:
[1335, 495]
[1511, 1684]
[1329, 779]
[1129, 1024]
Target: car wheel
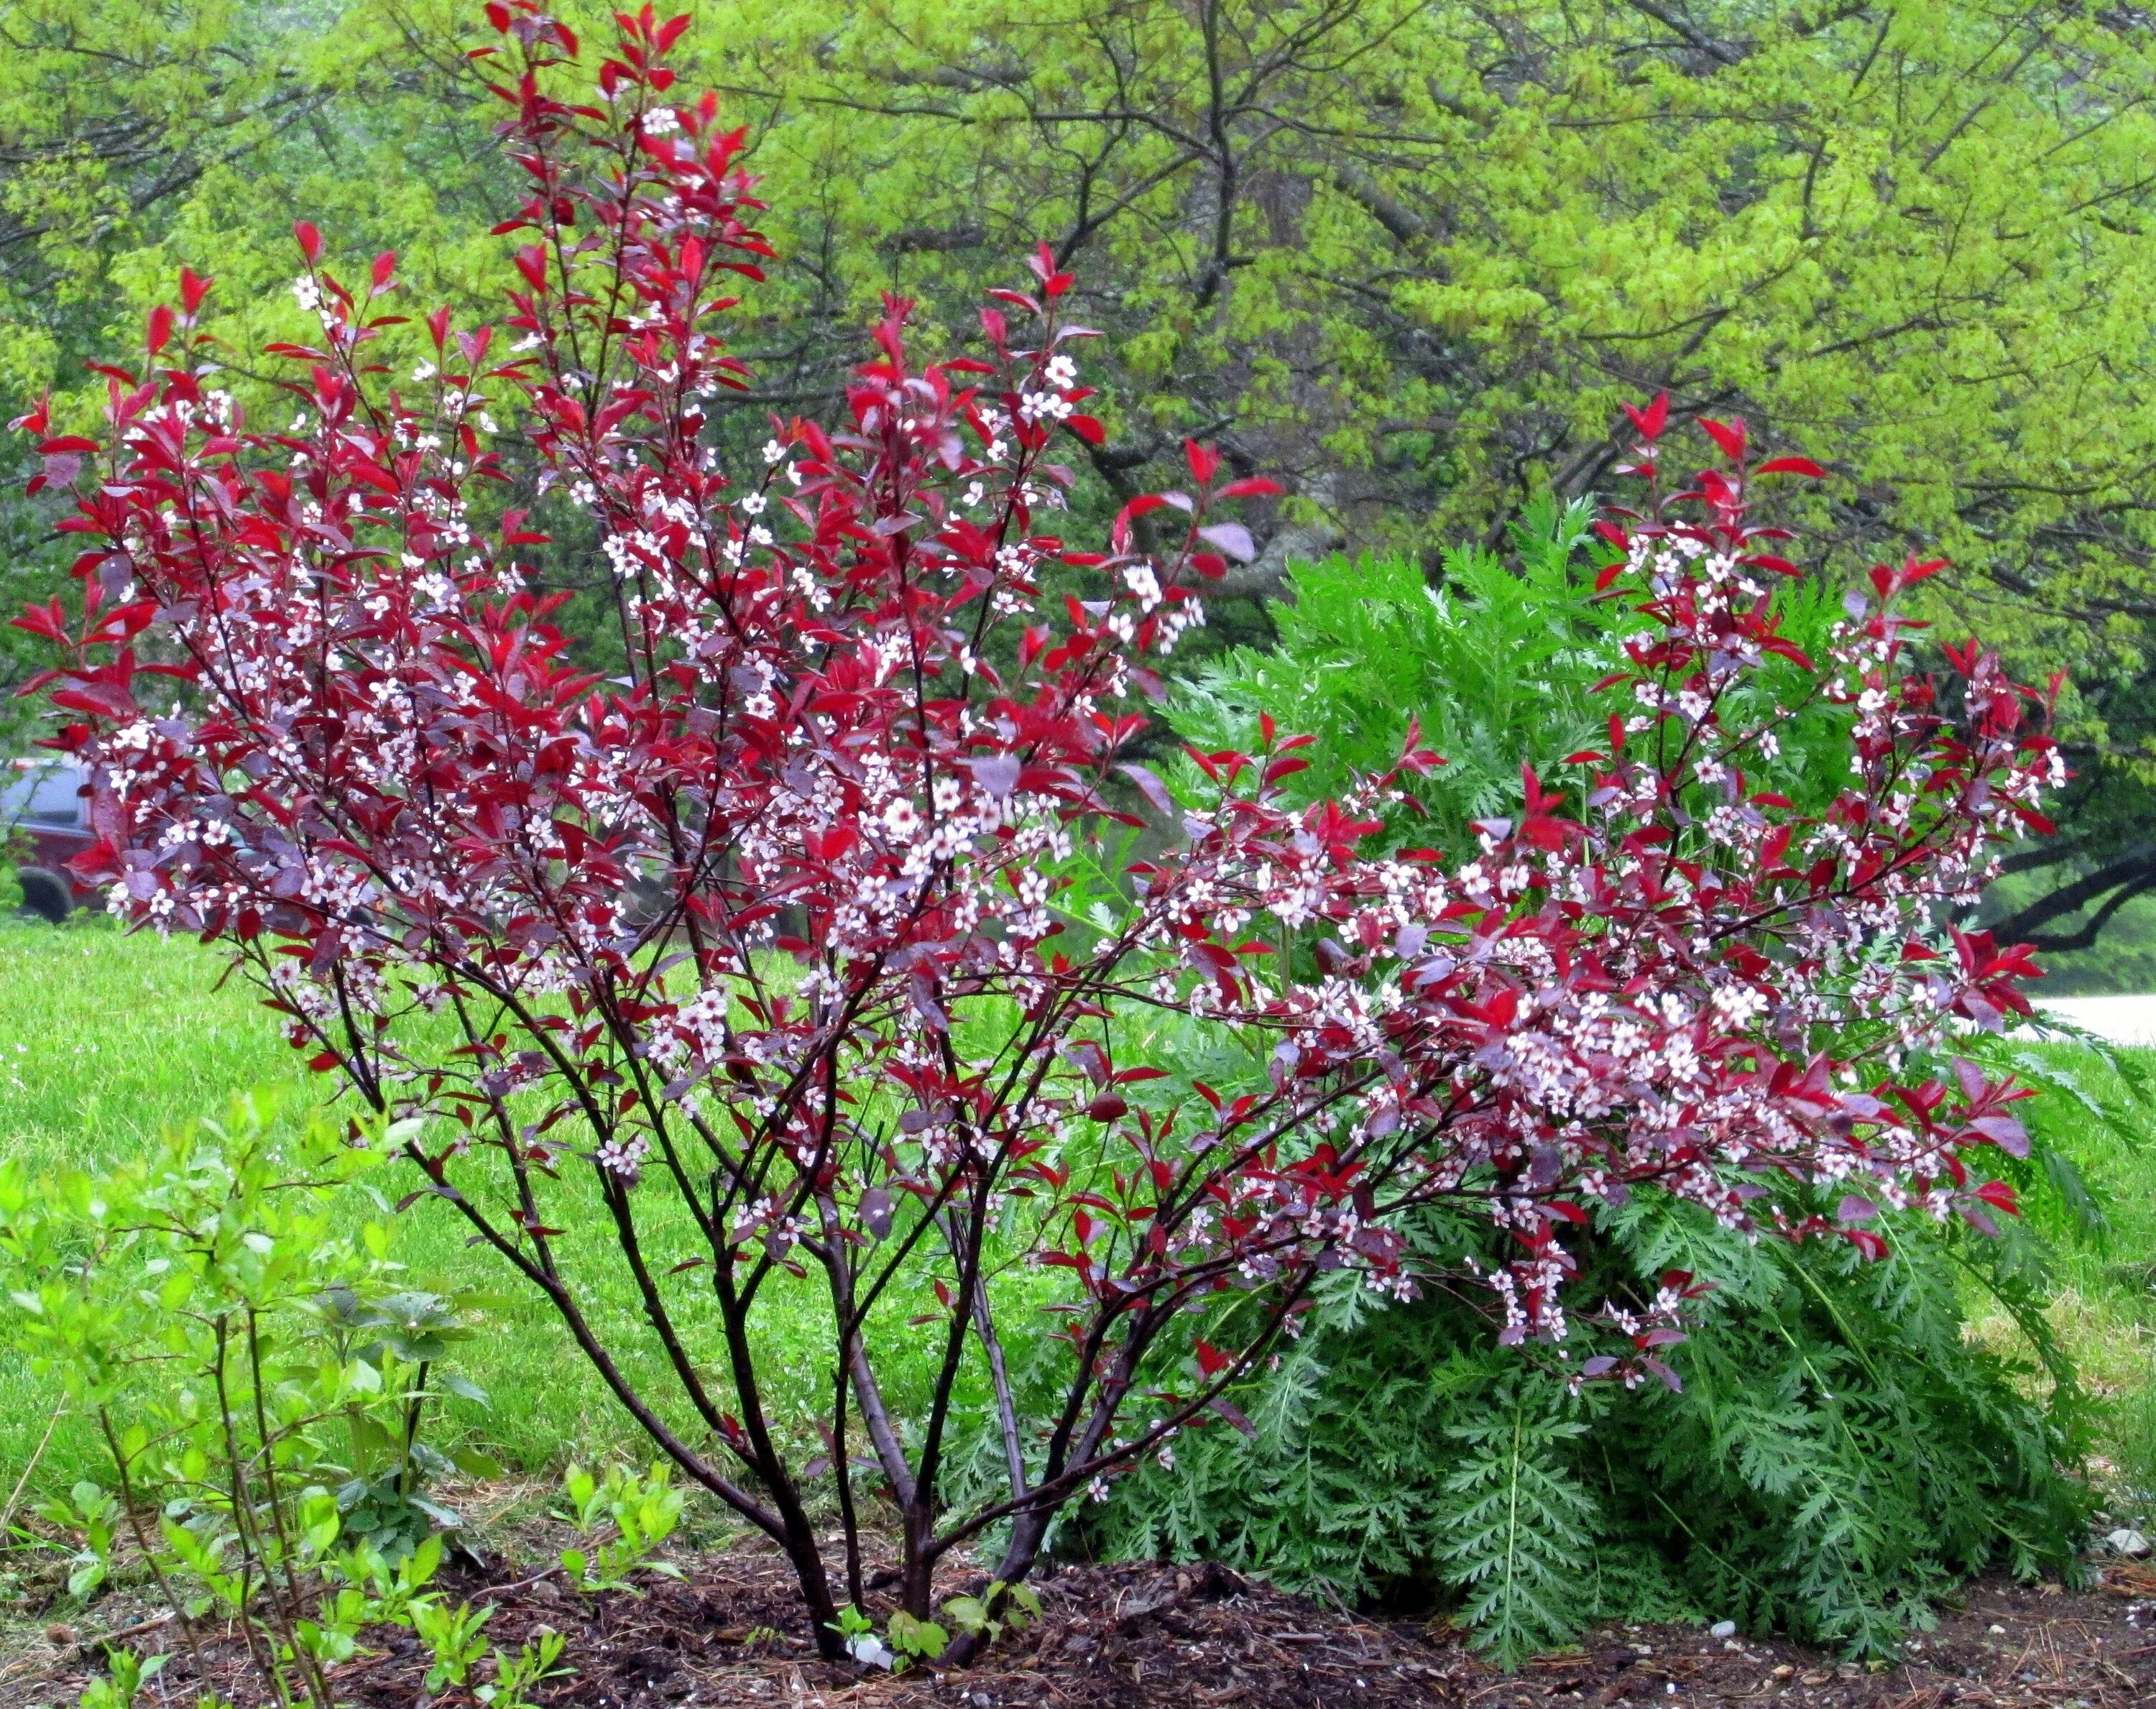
[45, 893]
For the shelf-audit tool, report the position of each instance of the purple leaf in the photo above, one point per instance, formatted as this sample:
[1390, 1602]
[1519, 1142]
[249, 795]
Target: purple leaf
[1154, 791]
[1232, 538]
[997, 773]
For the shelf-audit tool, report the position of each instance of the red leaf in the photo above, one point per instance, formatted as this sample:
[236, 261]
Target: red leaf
[2000, 1197]
[1729, 435]
[1651, 420]
[1792, 465]
[311, 240]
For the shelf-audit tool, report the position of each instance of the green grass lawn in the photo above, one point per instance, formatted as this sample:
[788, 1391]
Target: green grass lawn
[2104, 1287]
[105, 1040]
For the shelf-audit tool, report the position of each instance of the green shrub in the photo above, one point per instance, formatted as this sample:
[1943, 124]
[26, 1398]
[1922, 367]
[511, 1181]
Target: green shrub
[1838, 1453]
[258, 1370]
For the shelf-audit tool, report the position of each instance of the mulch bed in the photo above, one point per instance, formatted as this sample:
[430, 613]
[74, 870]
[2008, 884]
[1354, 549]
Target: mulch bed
[1123, 1636]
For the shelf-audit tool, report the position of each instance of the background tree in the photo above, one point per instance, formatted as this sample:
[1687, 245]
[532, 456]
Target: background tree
[1407, 256]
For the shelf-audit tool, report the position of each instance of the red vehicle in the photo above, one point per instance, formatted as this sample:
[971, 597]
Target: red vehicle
[42, 799]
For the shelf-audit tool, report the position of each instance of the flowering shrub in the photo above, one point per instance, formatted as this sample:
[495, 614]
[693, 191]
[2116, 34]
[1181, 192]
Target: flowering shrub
[782, 956]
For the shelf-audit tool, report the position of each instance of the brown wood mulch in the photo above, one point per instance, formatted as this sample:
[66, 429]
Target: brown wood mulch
[1119, 1637]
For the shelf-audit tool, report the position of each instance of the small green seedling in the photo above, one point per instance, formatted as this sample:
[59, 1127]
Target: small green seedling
[1013, 1604]
[644, 1512]
[455, 1634]
[515, 1676]
[118, 1689]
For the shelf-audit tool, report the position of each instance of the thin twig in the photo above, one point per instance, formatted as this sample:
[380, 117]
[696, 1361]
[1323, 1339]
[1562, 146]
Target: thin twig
[7, 1513]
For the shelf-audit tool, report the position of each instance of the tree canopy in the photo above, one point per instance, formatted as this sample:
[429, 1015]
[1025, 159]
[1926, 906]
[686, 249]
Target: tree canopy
[1409, 257]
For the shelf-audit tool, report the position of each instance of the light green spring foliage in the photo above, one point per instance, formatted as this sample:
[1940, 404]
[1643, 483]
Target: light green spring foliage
[1411, 256]
[141, 137]
[1497, 664]
[257, 1368]
[207, 1310]
[226, 1272]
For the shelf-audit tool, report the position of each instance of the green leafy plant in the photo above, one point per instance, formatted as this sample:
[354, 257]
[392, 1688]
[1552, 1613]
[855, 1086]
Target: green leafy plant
[89, 1513]
[120, 1688]
[916, 1641]
[242, 1344]
[1837, 1455]
[515, 1676]
[1000, 1608]
[392, 1343]
[641, 1512]
[857, 1635]
[1826, 1452]
[1518, 1528]
[362, 1588]
[456, 1635]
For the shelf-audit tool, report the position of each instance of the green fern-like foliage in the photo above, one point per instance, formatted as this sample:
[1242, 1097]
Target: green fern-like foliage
[1499, 659]
[1517, 1526]
[1839, 1453]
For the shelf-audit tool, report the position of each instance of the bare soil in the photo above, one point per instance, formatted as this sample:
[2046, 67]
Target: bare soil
[1119, 1637]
